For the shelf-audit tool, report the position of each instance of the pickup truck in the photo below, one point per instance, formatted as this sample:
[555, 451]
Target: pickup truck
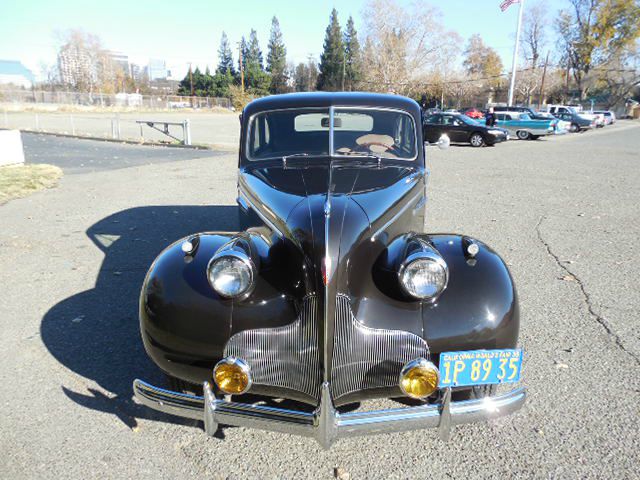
[523, 126]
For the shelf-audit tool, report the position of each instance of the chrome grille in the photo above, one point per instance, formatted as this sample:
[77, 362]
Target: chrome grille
[285, 357]
[365, 357]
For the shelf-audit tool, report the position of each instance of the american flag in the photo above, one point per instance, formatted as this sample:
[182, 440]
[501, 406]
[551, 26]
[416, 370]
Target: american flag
[507, 3]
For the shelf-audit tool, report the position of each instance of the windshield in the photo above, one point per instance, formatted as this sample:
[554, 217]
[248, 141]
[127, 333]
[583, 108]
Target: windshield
[357, 132]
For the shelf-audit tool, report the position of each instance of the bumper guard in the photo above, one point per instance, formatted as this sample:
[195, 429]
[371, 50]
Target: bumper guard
[326, 424]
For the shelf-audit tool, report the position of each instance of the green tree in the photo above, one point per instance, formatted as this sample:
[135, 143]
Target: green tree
[225, 56]
[221, 83]
[332, 60]
[596, 33]
[306, 76]
[243, 55]
[253, 53]
[353, 67]
[277, 59]
[256, 80]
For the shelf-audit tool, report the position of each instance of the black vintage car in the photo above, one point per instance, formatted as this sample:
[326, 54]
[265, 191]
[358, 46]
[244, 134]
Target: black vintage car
[462, 129]
[331, 294]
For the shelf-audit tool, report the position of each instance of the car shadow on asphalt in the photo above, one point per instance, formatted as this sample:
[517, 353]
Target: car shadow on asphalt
[95, 333]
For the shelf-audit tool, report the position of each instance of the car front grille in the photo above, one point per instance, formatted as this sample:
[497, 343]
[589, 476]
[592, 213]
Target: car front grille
[366, 358]
[288, 357]
[284, 357]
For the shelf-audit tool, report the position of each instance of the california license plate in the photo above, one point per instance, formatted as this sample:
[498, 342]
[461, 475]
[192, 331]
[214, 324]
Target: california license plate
[480, 367]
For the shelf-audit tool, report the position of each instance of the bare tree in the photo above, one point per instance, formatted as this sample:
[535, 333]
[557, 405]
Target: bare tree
[401, 44]
[85, 65]
[534, 33]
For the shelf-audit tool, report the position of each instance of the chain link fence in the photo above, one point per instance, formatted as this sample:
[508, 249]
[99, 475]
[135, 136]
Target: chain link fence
[130, 101]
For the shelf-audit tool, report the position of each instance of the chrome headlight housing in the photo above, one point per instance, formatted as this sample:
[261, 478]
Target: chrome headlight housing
[231, 273]
[424, 275]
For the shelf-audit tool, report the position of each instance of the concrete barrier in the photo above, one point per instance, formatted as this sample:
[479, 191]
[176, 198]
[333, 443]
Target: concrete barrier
[11, 150]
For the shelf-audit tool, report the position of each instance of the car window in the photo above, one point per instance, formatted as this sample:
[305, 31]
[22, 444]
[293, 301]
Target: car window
[448, 120]
[433, 119]
[356, 131]
[285, 132]
[386, 133]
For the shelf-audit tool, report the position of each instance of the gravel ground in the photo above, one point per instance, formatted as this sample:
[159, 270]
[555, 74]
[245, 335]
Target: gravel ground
[562, 212]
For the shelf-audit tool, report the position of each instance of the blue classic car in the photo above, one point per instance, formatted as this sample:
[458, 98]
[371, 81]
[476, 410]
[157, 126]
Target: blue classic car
[523, 126]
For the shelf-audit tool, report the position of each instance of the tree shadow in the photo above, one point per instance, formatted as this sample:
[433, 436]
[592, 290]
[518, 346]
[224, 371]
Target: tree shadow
[95, 333]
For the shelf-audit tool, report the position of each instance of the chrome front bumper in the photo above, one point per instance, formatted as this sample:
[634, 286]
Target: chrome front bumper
[326, 424]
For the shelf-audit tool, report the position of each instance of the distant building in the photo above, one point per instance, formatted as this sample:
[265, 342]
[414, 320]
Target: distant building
[121, 60]
[157, 69]
[75, 66]
[136, 72]
[15, 73]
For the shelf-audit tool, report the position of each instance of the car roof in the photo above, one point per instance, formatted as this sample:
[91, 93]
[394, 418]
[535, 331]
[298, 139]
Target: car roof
[328, 99]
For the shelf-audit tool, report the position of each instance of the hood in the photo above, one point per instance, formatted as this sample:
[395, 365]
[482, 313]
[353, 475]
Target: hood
[325, 207]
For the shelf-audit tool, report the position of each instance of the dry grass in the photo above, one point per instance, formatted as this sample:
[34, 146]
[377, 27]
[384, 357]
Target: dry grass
[18, 181]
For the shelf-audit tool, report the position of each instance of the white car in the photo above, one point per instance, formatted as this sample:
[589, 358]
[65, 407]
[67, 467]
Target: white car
[598, 117]
[609, 116]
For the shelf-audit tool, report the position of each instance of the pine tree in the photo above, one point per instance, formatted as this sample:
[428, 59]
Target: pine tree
[353, 68]
[254, 54]
[243, 56]
[256, 80]
[225, 56]
[333, 57]
[277, 59]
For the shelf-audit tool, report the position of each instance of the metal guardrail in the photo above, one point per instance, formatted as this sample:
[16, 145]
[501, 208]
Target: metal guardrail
[186, 130]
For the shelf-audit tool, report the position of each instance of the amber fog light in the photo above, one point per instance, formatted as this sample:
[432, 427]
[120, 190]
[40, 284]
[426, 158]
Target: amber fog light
[419, 378]
[232, 376]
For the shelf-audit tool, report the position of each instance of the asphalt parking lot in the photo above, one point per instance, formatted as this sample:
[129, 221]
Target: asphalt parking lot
[562, 211]
[75, 155]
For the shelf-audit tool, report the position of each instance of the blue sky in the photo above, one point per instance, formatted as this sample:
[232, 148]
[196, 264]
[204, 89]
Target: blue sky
[189, 31]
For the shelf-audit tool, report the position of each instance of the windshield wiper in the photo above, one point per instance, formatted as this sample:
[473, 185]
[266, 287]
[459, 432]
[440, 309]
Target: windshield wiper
[286, 157]
[365, 155]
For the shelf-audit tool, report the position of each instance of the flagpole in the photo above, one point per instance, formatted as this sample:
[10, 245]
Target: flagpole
[514, 65]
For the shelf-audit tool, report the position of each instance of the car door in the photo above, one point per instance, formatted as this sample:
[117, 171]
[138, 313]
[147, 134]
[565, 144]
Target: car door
[502, 120]
[454, 128]
[432, 127]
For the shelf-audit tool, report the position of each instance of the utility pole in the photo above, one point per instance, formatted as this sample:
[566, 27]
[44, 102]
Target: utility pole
[514, 65]
[241, 67]
[191, 83]
[544, 74]
[309, 63]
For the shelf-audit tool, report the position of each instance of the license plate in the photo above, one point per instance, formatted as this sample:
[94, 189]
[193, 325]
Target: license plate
[480, 367]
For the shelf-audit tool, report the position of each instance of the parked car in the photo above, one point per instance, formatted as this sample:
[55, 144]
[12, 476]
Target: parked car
[523, 126]
[472, 112]
[334, 294]
[599, 118]
[609, 116]
[461, 129]
[560, 127]
[578, 122]
[534, 114]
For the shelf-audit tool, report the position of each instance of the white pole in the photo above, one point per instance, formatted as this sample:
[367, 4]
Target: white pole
[514, 65]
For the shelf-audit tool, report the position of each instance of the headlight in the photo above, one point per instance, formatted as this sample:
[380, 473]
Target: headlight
[496, 132]
[231, 273]
[232, 376]
[424, 275]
